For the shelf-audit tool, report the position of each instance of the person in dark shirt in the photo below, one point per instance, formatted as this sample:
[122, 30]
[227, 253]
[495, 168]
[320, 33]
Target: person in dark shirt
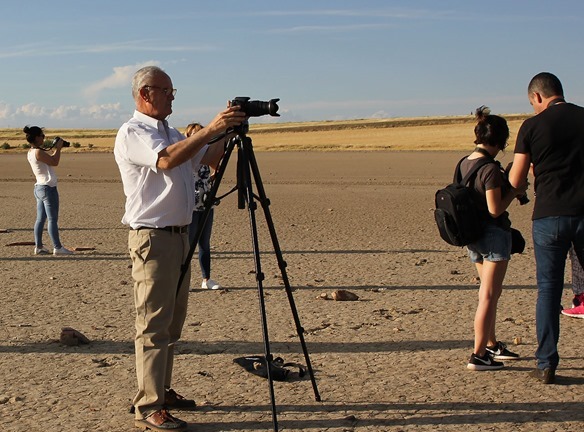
[492, 251]
[552, 142]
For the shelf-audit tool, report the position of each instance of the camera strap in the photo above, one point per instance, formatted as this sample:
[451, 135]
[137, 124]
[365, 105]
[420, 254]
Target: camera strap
[483, 152]
[217, 138]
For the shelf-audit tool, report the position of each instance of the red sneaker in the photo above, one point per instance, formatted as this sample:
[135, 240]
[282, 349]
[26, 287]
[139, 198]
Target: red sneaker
[575, 312]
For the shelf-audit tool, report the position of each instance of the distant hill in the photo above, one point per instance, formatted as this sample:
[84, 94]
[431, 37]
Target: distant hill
[415, 133]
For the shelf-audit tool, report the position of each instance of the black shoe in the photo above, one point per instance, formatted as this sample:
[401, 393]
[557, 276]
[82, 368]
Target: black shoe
[176, 401]
[546, 376]
[483, 363]
[500, 352]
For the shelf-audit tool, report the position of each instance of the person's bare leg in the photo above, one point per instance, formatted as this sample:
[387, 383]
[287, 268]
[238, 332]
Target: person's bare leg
[492, 275]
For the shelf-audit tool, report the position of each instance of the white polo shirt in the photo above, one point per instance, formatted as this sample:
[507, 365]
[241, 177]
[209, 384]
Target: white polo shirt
[154, 198]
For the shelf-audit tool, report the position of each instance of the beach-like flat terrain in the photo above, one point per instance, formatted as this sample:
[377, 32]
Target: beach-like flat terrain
[395, 360]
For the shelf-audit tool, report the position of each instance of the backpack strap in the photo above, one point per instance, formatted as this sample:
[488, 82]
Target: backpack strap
[464, 181]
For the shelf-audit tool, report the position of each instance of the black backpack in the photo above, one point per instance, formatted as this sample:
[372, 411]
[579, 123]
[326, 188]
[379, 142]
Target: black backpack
[459, 220]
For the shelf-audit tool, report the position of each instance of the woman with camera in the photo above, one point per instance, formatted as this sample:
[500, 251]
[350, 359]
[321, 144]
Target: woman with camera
[45, 189]
[492, 251]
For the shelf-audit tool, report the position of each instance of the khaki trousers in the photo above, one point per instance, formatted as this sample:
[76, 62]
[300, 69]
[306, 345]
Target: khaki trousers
[157, 257]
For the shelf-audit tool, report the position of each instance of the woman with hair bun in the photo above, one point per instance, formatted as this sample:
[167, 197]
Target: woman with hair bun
[45, 189]
[492, 251]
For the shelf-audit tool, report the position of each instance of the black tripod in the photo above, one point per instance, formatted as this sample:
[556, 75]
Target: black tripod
[246, 167]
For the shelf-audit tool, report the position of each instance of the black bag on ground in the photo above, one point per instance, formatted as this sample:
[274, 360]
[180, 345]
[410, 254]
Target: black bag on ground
[457, 216]
[278, 369]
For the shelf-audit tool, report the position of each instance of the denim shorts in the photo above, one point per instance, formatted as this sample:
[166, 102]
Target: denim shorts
[494, 245]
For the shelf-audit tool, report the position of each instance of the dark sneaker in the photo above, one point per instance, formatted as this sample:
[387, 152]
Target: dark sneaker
[546, 376]
[483, 363]
[500, 352]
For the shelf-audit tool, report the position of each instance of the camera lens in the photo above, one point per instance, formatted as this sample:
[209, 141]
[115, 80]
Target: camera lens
[257, 108]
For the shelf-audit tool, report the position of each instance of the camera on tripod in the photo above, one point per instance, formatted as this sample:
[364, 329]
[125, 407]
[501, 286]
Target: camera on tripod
[248, 175]
[256, 108]
[56, 140]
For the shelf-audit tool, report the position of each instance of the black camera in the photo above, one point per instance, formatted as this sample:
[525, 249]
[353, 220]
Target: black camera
[523, 199]
[65, 143]
[256, 108]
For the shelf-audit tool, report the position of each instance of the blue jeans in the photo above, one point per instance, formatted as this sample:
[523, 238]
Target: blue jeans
[204, 241]
[552, 239]
[47, 199]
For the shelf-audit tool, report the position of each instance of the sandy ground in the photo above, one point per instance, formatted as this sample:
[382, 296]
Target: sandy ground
[362, 221]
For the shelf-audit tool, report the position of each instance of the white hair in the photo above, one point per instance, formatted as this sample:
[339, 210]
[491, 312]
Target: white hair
[142, 76]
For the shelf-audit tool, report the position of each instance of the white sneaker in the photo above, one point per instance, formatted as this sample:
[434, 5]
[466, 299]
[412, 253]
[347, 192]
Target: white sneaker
[41, 251]
[62, 251]
[210, 284]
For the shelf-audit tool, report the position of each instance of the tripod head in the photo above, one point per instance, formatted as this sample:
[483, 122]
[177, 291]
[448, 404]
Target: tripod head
[242, 129]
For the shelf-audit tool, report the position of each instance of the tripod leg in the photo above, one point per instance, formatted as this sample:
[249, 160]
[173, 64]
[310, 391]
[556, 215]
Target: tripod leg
[265, 202]
[248, 197]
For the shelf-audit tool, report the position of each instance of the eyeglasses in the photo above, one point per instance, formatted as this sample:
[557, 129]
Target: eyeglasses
[166, 91]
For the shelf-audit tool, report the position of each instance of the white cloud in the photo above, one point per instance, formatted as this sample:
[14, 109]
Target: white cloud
[381, 114]
[31, 110]
[5, 110]
[329, 28]
[65, 112]
[120, 78]
[70, 116]
[104, 111]
[51, 49]
[393, 13]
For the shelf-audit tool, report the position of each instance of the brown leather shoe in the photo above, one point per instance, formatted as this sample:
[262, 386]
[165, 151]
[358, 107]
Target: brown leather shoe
[161, 421]
[546, 376]
[173, 400]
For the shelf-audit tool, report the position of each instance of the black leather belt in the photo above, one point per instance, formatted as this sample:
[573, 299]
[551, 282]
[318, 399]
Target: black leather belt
[173, 229]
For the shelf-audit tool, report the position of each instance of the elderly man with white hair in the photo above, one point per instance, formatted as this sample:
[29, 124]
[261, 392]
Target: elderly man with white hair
[156, 165]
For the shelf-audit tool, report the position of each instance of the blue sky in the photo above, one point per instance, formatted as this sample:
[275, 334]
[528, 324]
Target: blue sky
[69, 63]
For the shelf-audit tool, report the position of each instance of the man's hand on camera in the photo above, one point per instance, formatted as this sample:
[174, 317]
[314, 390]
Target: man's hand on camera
[228, 118]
